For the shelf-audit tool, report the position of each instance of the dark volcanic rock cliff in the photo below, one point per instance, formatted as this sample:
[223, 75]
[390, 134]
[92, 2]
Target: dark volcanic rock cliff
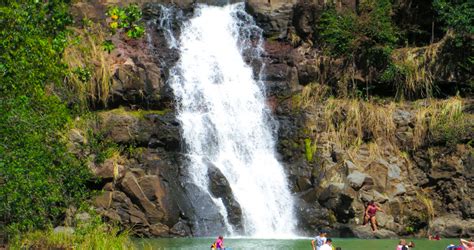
[338, 153]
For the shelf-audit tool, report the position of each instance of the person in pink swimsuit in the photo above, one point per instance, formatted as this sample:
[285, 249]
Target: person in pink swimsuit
[370, 212]
[220, 242]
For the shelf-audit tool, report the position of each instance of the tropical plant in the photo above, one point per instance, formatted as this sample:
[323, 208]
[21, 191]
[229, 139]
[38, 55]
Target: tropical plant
[127, 19]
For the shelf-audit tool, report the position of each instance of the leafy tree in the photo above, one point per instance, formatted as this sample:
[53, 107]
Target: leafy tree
[456, 14]
[369, 35]
[336, 30]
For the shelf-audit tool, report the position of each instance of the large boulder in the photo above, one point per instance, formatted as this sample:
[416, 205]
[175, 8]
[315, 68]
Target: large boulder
[365, 232]
[130, 185]
[451, 226]
[358, 179]
[315, 217]
[136, 82]
[273, 16]
[112, 168]
[157, 128]
[335, 198]
[219, 187]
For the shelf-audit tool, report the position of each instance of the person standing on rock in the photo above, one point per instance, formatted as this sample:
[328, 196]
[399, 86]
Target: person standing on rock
[370, 212]
[319, 240]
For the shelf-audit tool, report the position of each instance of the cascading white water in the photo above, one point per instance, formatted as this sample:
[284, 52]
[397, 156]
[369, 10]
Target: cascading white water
[224, 116]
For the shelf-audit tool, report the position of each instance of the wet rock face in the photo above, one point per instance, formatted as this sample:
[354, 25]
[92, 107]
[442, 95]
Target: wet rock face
[219, 187]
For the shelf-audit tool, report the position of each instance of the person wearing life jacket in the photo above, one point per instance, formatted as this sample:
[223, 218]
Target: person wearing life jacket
[370, 212]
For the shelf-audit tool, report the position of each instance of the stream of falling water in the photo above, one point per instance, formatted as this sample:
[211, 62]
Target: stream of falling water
[225, 119]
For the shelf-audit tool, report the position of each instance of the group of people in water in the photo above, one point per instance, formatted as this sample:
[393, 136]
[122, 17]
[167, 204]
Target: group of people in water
[402, 245]
[322, 242]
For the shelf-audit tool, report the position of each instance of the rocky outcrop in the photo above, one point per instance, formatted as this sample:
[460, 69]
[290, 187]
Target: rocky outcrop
[145, 185]
[416, 189]
[452, 226]
[219, 187]
[139, 180]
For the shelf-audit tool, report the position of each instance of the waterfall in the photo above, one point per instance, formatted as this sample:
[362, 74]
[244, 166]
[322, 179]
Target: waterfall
[225, 119]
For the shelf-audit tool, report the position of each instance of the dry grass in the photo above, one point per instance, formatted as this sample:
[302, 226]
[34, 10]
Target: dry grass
[434, 115]
[86, 53]
[418, 67]
[310, 95]
[429, 212]
[350, 122]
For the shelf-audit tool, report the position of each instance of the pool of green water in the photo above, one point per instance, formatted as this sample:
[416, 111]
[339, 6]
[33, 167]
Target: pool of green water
[296, 244]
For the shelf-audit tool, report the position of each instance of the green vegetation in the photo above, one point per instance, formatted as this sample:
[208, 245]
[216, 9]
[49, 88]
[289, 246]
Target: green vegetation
[456, 14]
[337, 32]
[41, 177]
[89, 76]
[126, 20]
[372, 42]
[108, 46]
[309, 152]
[89, 234]
[369, 34]
[443, 122]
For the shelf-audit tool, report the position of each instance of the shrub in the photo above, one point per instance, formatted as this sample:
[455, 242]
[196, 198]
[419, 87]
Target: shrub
[336, 31]
[368, 36]
[127, 19]
[456, 14]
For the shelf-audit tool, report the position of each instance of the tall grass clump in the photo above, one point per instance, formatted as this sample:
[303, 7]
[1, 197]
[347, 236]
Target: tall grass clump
[89, 80]
[352, 122]
[311, 95]
[415, 69]
[442, 122]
